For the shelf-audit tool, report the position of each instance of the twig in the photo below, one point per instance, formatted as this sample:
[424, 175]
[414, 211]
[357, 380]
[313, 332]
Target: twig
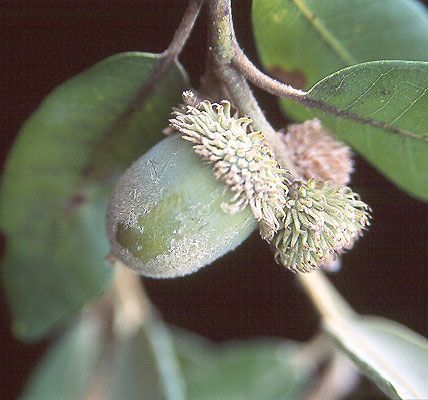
[339, 377]
[327, 300]
[222, 37]
[132, 307]
[242, 64]
[222, 50]
[170, 55]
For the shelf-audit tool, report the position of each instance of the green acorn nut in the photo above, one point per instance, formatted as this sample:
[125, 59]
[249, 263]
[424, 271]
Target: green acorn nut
[165, 217]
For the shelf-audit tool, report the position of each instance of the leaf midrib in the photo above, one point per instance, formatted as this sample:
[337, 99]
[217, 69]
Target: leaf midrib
[325, 34]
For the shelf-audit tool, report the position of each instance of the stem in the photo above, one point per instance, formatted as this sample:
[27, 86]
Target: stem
[132, 305]
[313, 353]
[224, 51]
[184, 29]
[252, 73]
[170, 55]
[222, 47]
[327, 300]
[222, 37]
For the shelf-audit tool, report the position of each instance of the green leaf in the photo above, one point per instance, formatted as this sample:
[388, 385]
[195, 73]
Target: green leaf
[56, 181]
[258, 369]
[388, 125]
[302, 41]
[392, 355]
[165, 217]
[68, 367]
[145, 366]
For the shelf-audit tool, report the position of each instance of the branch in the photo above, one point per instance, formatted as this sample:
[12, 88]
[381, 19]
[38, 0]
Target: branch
[132, 307]
[327, 300]
[313, 353]
[169, 56]
[242, 64]
[222, 38]
[222, 50]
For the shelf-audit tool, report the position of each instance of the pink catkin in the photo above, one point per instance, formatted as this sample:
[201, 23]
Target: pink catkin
[317, 155]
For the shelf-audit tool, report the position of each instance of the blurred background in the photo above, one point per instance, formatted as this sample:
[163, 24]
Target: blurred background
[244, 294]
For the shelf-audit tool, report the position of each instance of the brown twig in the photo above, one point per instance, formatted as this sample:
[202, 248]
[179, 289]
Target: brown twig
[170, 55]
[222, 50]
[327, 300]
[132, 307]
[241, 63]
[222, 39]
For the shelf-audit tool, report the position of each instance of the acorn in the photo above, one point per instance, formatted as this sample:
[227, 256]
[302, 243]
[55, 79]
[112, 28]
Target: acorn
[165, 216]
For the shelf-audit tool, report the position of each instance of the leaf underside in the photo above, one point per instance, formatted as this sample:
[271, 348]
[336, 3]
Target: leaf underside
[393, 356]
[257, 369]
[57, 179]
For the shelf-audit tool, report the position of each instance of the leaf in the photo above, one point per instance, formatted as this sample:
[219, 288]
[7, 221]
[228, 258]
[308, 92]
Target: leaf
[302, 41]
[56, 181]
[392, 355]
[166, 222]
[388, 124]
[145, 366]
[257, 369]
[69, 365]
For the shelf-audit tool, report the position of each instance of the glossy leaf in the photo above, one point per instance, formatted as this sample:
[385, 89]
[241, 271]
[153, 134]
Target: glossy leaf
[257, 369]
[67, 369]
[145, 366]
[302, 41]
[165, 217]
[392, 355]
[391, 98]
[56, 181]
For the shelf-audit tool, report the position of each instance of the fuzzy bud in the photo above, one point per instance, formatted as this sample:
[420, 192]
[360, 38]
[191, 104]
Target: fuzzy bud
[316, 154]
[240, 160]
[321, 221]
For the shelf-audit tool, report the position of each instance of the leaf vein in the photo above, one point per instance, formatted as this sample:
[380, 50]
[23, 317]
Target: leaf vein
[325, 34]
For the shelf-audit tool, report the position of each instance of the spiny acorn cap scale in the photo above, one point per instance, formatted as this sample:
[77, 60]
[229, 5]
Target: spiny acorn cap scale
[240, 160]
[322, 220]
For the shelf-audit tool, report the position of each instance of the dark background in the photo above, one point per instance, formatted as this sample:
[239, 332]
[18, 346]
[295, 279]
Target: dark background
[245, 294]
